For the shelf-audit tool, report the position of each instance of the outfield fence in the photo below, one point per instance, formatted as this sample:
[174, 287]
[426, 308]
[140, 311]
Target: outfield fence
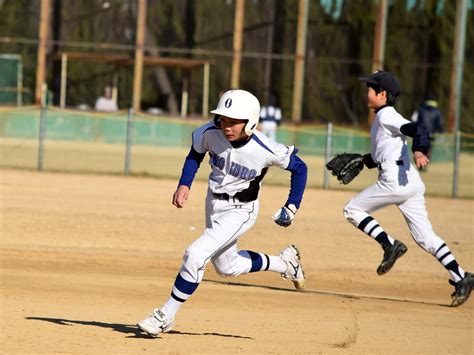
[124, 142]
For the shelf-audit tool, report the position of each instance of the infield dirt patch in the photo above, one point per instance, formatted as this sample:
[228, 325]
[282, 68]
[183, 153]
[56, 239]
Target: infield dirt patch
[84, 257]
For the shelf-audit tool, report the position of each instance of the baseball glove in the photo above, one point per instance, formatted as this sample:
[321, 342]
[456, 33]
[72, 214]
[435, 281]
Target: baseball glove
[346, 166]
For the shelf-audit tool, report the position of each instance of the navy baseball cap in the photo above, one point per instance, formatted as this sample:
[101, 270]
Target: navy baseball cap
[385, 80]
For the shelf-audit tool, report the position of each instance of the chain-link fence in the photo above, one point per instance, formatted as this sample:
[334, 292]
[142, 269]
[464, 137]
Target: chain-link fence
[117, 143]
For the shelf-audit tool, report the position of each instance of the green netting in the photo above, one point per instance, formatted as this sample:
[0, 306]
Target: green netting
[92, 127]
[67, 125]
[162, 133]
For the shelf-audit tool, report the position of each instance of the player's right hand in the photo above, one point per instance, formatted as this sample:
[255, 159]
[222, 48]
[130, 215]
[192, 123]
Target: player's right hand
[180, 196]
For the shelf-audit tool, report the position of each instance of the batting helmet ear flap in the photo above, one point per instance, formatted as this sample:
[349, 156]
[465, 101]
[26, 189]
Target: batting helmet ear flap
[217, 121]
[250, 127]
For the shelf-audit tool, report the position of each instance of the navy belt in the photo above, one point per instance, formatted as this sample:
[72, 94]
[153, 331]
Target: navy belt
[227, 197]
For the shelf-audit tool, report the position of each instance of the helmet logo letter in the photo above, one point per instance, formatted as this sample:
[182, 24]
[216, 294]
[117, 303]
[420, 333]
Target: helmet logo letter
[228, 103]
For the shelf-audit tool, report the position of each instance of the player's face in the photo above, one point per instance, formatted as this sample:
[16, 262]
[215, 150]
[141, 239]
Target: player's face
[233, 129]
[375, 100]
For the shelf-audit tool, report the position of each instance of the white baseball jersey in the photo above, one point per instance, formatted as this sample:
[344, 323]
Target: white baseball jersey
[236, 170]
[270, 113]
[388, 144]
[270, 118]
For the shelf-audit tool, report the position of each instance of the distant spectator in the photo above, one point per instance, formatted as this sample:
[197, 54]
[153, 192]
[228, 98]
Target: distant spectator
[270, 117]
[429, 117]
[106, 103]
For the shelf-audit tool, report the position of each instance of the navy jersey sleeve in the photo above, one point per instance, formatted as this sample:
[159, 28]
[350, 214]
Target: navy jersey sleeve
[191, 166]
[420, 135]
[299, 175]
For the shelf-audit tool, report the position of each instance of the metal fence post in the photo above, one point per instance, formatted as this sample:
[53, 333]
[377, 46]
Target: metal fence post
[42, 128]
[128, 143]
[327, 155]
[457, 151]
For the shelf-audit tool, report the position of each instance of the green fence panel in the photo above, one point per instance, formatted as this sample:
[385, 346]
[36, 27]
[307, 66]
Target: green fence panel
[21, 124]
[92, 127]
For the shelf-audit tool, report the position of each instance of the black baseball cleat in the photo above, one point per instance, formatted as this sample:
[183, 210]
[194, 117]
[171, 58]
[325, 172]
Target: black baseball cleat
[462, 289]
[391, 254]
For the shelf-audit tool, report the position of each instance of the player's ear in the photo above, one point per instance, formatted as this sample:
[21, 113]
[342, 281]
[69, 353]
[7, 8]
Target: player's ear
[217, 121]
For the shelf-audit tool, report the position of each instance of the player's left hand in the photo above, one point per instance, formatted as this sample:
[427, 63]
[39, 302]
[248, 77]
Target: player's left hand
[285, 215]
[180, 196]
[421, 160]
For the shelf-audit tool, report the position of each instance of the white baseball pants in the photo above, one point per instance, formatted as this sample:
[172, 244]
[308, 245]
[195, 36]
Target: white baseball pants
[401, 186]
[226, 221]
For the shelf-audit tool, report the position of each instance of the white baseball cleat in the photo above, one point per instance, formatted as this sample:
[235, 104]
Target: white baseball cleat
[157, 322]
[294, 271]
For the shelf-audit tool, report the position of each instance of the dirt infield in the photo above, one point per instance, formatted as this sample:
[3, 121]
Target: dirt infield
[84, 257]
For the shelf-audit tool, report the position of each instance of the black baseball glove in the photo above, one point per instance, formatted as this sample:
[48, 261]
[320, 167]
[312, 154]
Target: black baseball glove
[346, 166]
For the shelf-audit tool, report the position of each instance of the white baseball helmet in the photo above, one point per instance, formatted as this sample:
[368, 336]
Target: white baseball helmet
[241, 105]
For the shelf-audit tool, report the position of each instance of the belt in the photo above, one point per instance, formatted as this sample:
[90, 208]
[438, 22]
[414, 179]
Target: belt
[397, 162]
[227, 197]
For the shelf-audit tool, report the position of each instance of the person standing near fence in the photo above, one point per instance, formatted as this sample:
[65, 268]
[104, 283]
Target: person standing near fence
[239, 157]
[105, 103]
[400, 184]
[429, 117]
[270, 117]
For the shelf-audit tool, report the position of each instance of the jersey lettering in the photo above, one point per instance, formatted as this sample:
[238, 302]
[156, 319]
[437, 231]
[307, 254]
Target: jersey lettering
[244, 173]
[235, 169]
[218, 161]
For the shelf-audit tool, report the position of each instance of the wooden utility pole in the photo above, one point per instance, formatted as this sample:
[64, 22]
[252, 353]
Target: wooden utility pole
[205, 90]
[298, 81]
[43, 37]
[378, 57]
[140, 39]
[267, 76]
[237, 48]
[457, 66]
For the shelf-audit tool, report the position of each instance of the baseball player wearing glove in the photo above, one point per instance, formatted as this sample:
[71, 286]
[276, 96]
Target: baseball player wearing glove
[400, 184]
[239, 157]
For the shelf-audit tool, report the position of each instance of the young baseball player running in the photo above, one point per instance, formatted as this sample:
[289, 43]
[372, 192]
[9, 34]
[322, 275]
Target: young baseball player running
[239, 157]
[399, 184]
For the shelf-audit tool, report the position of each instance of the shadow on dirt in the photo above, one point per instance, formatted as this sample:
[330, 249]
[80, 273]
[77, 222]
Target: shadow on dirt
[328, 293]
[132, 330]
